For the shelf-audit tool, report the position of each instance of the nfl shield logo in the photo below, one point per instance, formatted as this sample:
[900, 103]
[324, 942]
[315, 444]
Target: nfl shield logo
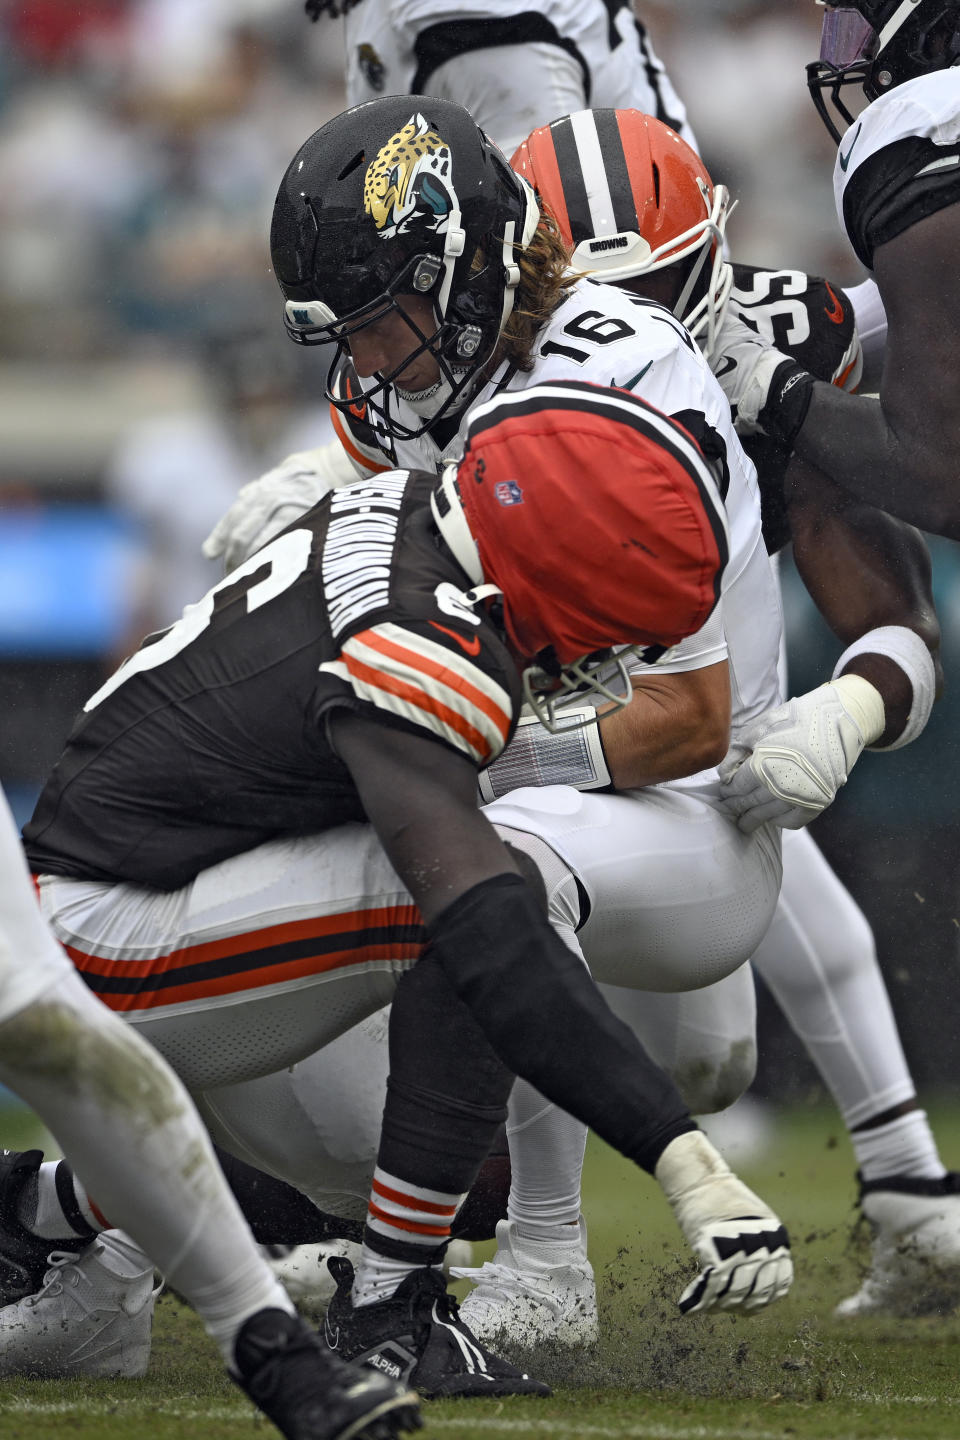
[508, 492]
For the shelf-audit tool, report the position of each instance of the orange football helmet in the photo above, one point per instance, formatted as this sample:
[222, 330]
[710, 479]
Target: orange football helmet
[630, 198]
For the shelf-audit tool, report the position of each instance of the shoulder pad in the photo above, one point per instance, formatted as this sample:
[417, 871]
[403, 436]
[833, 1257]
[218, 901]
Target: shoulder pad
[355, 433]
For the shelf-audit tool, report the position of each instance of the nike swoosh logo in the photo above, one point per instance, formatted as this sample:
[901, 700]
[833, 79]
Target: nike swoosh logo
[726, 365]
[630, 383]
[836, 313]
[331, 1336]
[845, 159]
[469, 647]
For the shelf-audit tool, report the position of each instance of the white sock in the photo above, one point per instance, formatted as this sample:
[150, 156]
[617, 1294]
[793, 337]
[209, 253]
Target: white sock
[40, 1210]
[546, 1158]
[904, 1146]
[378, 1276]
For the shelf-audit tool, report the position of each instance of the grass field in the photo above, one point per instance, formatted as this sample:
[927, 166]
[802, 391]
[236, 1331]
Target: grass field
[792, 1372]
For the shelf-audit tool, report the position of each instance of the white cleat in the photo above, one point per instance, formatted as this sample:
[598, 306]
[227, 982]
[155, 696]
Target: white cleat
[88, 1318]
[532, 1291]
[302, 1269]
[915, 1260]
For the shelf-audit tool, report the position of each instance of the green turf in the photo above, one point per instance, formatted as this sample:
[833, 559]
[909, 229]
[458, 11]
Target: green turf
[791, 1372]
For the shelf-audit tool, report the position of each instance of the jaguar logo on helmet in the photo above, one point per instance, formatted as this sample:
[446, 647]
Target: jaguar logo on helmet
[409, 185]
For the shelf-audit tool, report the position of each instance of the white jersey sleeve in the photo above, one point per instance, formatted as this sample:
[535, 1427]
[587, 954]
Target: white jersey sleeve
[899, 161]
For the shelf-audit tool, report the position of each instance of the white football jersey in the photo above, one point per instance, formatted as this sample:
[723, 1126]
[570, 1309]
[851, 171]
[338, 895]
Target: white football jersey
[560, 56]
[605, 336]
[870, 173]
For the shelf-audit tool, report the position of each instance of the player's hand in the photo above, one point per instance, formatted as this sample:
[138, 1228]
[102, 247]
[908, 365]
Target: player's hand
[767, 390]
[741, 1244]
[788, 764]
[266, 506]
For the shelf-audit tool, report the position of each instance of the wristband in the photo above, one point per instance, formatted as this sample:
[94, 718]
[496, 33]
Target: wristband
[536, 756]
[905, 648]
[788, 400]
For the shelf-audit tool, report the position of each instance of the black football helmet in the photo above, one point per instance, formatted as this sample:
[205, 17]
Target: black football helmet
[403, 195]
[877, 44]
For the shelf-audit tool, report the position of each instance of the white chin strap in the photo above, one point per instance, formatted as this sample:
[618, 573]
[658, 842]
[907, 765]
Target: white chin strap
[449, 518]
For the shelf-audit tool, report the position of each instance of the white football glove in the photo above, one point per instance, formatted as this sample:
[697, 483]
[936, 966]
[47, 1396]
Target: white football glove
[741, 1244]
[764, 386]
[788, 764]
[266, 506]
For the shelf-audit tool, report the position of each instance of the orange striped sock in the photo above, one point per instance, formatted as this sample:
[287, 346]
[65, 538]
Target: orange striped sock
[408, 1226]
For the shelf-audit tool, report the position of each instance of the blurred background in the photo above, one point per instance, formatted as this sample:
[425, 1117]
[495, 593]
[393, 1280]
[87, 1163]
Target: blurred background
[145, 376]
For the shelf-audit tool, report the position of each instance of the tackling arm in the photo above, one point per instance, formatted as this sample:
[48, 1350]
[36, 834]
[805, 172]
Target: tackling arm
[864, 570]
[677, 723]
[541, 1012]
[533, 998]
[869, 575]
[899, 452]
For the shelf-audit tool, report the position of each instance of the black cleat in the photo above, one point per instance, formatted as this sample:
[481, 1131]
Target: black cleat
[23, 1257]
[417, 1337]
[310, 1394]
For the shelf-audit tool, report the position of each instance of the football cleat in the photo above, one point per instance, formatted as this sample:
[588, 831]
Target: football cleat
[529, 1293]
[23, 1257]
[417, 1336]
[915, 1247]
[309, 1394]
[87, 1319]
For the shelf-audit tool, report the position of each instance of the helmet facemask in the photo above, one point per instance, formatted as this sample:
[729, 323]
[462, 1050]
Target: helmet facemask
[460, 351]
[701, 304]
[551, 690]
[875, 46]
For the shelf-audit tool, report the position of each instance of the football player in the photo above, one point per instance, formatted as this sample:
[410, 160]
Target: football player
[512, 66]
[128, 1123]
[369, 661]
[897, 182]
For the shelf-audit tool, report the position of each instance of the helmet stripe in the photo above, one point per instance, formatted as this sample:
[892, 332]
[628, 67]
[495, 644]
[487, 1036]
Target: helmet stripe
[566, 145]
[909, 7]
[594, 170]
[617, 171]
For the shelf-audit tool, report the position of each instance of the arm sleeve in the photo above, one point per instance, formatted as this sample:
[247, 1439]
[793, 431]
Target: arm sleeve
[548, 1022]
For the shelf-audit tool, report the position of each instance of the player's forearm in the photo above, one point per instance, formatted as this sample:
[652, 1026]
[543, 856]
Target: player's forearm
[911, 474]
[664, 734]
[863, 569]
